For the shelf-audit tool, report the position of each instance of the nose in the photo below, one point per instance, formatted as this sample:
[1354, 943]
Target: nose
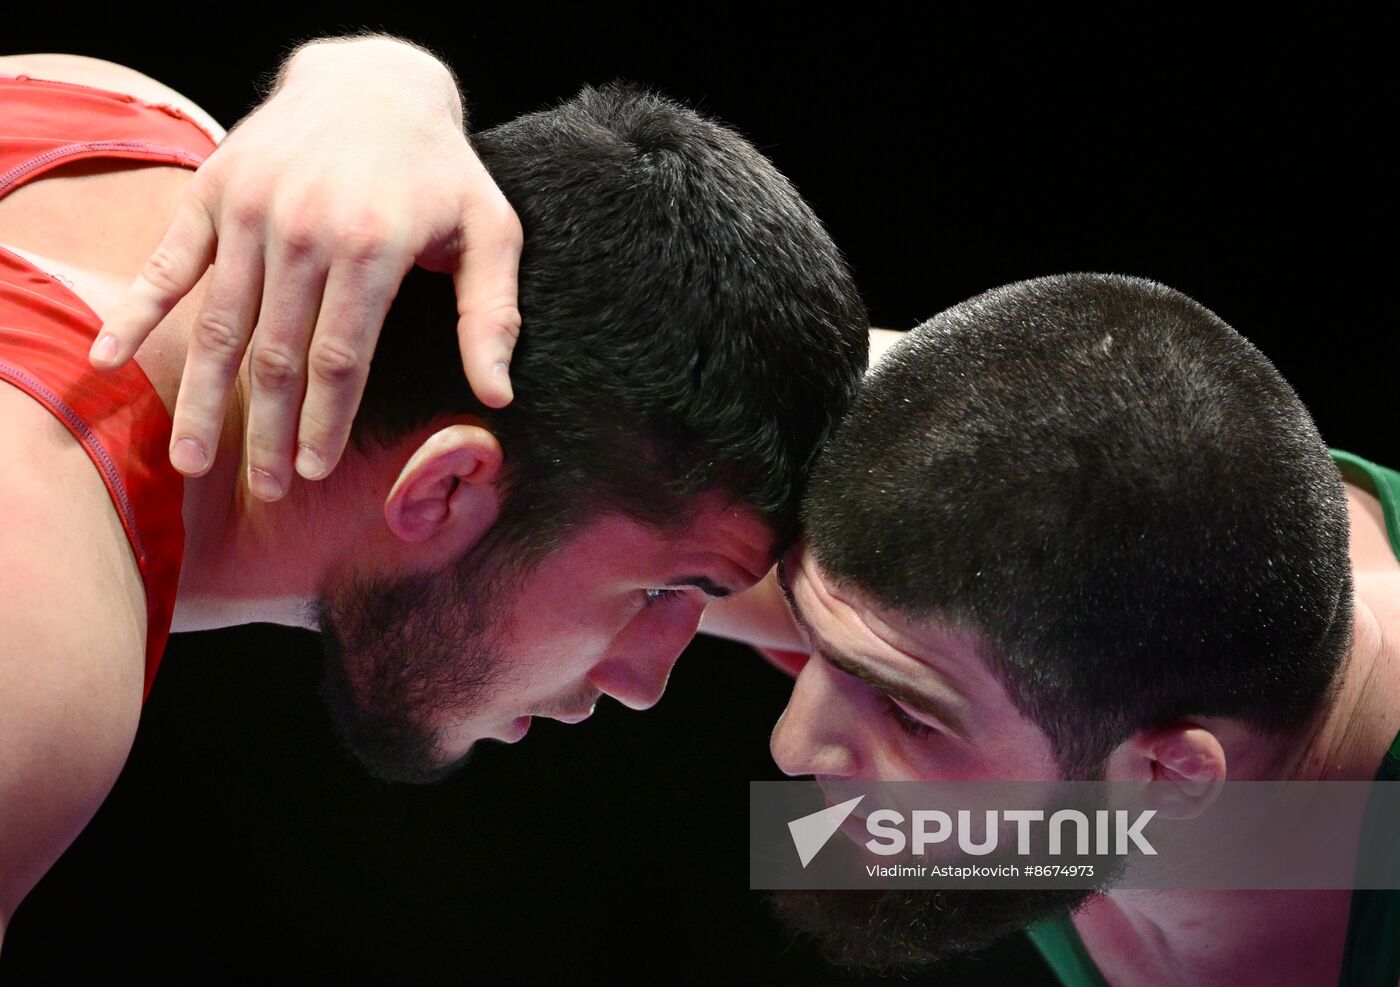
[815, 735]
[637, 669]
[636, 683]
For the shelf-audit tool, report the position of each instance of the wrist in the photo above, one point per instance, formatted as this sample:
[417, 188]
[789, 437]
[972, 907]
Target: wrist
[375, 63]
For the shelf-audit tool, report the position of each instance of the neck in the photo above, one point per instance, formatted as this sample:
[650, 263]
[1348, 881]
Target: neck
[1197, 937]
[1346, 740]
[247, 561]
[1356, 730]
[1208, 938]
[1273, 937]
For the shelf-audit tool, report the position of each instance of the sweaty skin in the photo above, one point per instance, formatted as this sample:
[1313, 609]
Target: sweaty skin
[623, 599]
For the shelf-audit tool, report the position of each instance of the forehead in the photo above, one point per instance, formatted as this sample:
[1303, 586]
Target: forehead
[722, 540]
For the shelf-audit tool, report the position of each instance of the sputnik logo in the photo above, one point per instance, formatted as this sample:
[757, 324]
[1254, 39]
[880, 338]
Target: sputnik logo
[811, 833]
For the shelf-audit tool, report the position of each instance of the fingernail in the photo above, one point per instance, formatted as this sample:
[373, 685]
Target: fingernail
[309, 462]
[501, 372]
[105, 349]
[263, 484]
[188, 455]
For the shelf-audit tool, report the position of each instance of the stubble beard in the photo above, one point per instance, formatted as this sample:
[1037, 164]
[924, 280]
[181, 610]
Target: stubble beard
[402, 654]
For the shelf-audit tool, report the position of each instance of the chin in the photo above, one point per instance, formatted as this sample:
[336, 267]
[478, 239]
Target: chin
[903, 931]
[387, 738]
[394, 674]
[456, 743]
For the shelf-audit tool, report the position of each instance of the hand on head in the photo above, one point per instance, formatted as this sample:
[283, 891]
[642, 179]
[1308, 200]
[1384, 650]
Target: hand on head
[311, 215]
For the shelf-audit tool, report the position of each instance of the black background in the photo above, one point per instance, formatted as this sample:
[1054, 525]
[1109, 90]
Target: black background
[1241, 165]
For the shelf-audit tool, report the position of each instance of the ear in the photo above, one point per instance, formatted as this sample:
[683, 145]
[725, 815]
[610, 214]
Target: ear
[1183, 765]
[447, 489]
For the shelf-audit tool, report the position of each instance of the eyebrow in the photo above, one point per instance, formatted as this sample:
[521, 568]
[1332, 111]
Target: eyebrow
[913, 698]
[924, 703]
[705, 585]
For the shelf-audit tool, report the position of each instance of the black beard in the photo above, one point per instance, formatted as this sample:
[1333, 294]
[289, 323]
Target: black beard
[909, 928]
[906, 929]
[399, 654]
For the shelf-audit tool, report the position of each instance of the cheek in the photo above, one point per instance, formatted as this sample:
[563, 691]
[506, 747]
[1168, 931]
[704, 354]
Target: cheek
[934, 758]
[1023, 754]
[553, 631]
[557, 643]
[1015, 755]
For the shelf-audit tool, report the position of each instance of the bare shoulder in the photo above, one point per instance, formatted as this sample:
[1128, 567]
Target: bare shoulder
[72, 643]
[105, 215]
[1371, 550]
[102, 74]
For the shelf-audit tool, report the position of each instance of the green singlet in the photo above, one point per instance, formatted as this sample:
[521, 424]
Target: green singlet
[1372, 953]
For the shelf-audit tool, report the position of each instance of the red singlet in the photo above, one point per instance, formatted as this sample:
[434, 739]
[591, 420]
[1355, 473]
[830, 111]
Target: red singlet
[46, 330]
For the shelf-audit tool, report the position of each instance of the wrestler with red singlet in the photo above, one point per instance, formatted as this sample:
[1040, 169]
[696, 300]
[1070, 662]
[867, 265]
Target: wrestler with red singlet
[315, 226]
[76, 232]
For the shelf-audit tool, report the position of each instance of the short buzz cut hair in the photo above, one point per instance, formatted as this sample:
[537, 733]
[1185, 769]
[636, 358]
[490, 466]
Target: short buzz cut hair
[688, 324]
[1116, 491]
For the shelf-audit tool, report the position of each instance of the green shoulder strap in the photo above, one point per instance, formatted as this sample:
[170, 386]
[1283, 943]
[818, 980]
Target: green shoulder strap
[1059, 942]
[1382, 482]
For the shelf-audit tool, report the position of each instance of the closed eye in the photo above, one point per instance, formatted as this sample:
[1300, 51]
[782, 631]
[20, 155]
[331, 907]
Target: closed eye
[906, 722]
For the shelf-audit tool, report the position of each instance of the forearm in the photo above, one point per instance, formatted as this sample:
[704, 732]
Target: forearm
[880, 342]
[758, 616]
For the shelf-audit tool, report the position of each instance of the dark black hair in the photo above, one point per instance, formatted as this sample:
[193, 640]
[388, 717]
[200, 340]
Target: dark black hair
[1117, 491]
[688, 323]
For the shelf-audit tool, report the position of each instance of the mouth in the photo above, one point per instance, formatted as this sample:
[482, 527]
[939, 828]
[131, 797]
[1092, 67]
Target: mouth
[575, 717]
[570, 709]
